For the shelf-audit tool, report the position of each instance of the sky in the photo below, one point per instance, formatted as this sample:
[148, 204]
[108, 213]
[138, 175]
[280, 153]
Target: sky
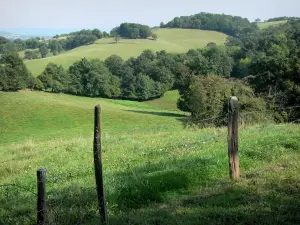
[48, 17]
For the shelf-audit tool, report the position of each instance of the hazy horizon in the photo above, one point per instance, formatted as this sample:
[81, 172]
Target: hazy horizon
[48, 18]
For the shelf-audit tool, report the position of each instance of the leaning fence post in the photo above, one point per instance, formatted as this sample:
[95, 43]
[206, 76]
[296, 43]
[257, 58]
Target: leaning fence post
[41, 196]
[233, 157]
[98, 166]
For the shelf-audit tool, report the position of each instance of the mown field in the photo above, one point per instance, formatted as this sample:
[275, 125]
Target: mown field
[171, 40]
[156, 170]
[265, 25]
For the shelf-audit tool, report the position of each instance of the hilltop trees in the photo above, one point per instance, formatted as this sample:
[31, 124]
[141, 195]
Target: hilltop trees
[132, 30]
[231, 25]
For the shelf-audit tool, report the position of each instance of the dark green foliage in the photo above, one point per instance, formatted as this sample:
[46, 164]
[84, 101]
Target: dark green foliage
[206, 97]
[272, 60]
[75, 39]
[231, 25]
[55, 46]
[97, 33]
[92, 78]
[282, 18]
[38, 85]
[13, 73]
[54, 78]
[32, 43]
[32, 54]
[4, 40]
[79, 40]
[8, 47]
[115, 64]
[43, 50]
[132, 30]
[20, 44]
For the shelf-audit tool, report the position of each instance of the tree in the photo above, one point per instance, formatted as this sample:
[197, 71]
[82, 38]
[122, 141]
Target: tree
[29, 54]
[97, 33]
[32, 43]
[14, 75]
[207, 97]
[154, 36]
[105, 34]
[43, 50]
[21, 45]
[55, 47]
[117, 38]
[257, 20]
[115, 64]
[54, 78]
[4, 40]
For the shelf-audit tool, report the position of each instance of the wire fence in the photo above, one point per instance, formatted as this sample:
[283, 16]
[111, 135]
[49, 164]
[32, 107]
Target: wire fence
[73, 201]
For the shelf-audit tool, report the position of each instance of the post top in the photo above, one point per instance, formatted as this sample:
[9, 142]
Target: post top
[98, 106]
[43, 170]
[234, 98]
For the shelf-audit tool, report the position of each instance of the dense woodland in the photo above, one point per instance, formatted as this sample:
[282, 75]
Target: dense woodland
[262, 68]
[231, 25]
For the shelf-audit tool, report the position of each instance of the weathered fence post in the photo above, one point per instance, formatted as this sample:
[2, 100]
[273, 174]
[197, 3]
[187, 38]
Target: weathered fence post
[98, 166]
[233, 157]
[41, 196]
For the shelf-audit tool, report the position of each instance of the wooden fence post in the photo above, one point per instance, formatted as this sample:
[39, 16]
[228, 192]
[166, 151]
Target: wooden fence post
[41, 196]
[98, 166]
[233, 157]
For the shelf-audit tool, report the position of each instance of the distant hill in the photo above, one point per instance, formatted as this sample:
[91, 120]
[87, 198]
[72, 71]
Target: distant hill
[171, 40]
[13, 36]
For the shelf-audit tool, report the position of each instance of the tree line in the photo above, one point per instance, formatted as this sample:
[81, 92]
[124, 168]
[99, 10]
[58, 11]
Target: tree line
[231, 25]
[40, 48]
[282, 18]
[261, 67]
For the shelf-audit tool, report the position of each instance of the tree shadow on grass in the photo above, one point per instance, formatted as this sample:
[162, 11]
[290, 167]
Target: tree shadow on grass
[138, 195]
[168, 114]
[275, 201]
[134, 188]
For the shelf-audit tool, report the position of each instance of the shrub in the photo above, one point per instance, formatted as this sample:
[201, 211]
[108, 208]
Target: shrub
[207, 96]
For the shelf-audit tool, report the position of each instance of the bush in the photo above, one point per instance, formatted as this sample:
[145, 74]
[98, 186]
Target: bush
[206, 98]
[38, 85]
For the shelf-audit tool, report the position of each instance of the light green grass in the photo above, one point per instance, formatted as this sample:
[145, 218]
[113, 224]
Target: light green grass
[265, 25]
[168, 101]
[171, 40]
[155, 170]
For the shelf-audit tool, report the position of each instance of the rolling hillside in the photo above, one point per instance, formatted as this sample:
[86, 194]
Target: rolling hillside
[155, 170]
[171, 40]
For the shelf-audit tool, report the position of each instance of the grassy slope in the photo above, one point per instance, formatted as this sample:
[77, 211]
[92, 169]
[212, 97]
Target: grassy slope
[155, 171]
[265, 25]
[171, 40]
[167, 102]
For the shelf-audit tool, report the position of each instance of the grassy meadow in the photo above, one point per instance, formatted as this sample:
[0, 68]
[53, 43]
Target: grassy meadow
[265, 25]
[171, 40]
[156, 170]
